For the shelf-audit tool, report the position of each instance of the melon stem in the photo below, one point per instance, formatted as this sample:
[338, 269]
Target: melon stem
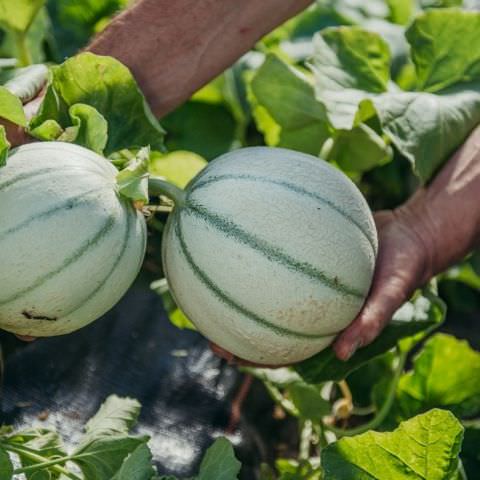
[159, 186]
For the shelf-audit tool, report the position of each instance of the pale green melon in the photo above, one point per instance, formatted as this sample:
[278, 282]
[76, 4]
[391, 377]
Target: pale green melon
[270, 254]
[70, 246]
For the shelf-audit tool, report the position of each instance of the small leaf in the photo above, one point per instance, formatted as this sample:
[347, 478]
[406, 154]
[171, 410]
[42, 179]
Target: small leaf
[426, 446]
[132, 181]
[115, 416]
[219, 462]
[89, 128]
[11, 108]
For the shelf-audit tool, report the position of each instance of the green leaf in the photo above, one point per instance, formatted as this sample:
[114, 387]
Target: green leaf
[19, 15]
[401, 11]
[137, 466]
[444, 375]
[89, 128]
[26, 82]
[11, 108]
[49, 130]
[445, 48]
[4, 146]
[204, 128]
[109, 87]
[103, 458]
[359, 149]
[426, 446]
[177, 167]
[116, 416]
[350, 57]
[285, 109]
[219, 462]
[28, 47]
[454, 113]
[74, 22]
[351, 80]
[413, 321]
[132, 181]
[6, 467]
[308, 401]
[43, 442]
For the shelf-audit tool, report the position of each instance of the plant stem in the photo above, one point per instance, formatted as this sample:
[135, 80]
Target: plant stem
[306, 430]
[42, 462]
[383, 412]
[280, 399]
[159, 186]
[24, 56]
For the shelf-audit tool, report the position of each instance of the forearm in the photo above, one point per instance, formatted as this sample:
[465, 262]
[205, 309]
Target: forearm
[175, 47]
[446, 213]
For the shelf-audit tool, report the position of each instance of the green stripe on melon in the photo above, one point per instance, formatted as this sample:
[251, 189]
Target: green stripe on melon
[271, 254]
[70, 245]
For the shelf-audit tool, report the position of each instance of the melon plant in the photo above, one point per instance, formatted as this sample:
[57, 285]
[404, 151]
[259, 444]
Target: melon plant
[270, 253]
[70, 244]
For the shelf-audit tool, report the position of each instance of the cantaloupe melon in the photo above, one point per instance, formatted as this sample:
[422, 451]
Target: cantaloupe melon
[70, 245]
[270, 253]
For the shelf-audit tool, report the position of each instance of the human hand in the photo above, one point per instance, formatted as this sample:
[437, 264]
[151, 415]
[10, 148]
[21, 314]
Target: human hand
[403, 265]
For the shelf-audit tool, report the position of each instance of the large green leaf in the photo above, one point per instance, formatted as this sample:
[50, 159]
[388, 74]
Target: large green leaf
[445, 48]
[424, 447]
[359, 149]
[445, 374]
[206, 128]
[108, 86]
[103, 458]
[19, 14]
[137, 466]
[219, 462]
[409, 324]
[351, 68]
[285, 109]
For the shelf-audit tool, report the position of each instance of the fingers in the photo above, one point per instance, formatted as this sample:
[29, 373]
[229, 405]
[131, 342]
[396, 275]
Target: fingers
[400, 269]
[383, 302]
